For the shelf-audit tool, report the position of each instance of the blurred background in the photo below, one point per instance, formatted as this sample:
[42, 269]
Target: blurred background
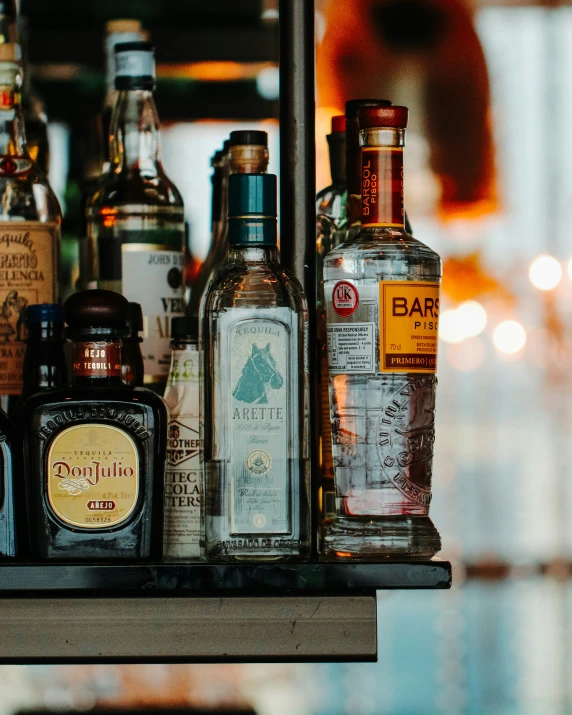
[488, 184]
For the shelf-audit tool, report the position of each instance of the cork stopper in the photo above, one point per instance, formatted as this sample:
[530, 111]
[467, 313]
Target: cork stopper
[122, 25]
[338, 124]
[378, 117]
[354, 105]
[10, 52]
[92, 312]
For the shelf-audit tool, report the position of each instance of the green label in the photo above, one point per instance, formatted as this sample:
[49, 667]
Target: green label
[260, 385]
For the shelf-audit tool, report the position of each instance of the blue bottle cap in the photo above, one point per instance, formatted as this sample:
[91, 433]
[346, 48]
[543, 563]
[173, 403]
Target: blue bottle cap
[44, 313]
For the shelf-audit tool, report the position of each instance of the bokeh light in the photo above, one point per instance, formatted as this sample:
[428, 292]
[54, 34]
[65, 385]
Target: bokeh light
[466, 356]
[509, 337]
[545, 272]
[451, 327]
[473, 318]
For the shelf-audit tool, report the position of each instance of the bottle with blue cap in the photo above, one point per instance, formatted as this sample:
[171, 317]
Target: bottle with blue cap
[255, 390]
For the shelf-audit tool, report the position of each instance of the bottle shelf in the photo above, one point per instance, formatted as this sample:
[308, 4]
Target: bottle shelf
[199, 612]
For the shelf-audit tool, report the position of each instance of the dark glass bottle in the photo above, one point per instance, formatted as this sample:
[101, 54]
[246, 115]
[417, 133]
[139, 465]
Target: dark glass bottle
[7, 508]
[133, 371]
[94, 453]
[45, 360]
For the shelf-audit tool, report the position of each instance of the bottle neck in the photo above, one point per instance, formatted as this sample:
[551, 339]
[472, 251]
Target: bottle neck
[134, 143]
[184, 361]
[252, 233]
[337, 151]
[382, 178]
[254, 254]
[12, 132]
[248, 159]
[97, 362]
[44, 362]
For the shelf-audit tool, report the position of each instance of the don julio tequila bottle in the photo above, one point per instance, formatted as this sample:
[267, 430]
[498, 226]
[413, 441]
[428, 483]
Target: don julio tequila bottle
[94, 453]
[30, 218]
[382, 307]
[255, 390]
[135, 221]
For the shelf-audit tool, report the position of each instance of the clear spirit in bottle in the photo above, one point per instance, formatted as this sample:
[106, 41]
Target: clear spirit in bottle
[94, 453]
[135, 218]
[183, 479]
[254, 332]
[382, 307]
[30, 219]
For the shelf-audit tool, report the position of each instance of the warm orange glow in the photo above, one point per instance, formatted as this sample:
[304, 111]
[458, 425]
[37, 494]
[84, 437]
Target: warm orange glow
[213, 71]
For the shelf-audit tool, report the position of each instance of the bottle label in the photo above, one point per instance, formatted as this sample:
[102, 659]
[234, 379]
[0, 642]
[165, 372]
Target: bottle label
[408, 326]
[97, 359]
[28, 275]
[135, 63]
[93, 476]
[382, 187]
[14, 165]
[260, 426]
[152, 275]
[393, 328]
[183, 480]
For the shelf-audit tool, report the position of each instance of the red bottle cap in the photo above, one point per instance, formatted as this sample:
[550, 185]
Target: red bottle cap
[395, 117]
[338, 124]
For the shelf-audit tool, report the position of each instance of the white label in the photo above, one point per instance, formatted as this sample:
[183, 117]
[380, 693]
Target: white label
[183, 478]
[351, 347]
[154, 278]
[135, 63]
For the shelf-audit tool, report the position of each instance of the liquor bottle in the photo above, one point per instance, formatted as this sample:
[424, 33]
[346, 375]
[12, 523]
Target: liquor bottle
[8, 516]
[94, 453]
[255, 390]
[116, 32]
[30, 220]
[183, 479]
[330, 232]
[8, 21]
[245, 152]
[382, 307]
[133, 370]
[45, 361]
[353, 163]
[135, 218]
[33, 107]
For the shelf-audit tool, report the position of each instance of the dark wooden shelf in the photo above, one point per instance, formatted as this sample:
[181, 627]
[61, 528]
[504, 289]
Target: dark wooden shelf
[224, 579]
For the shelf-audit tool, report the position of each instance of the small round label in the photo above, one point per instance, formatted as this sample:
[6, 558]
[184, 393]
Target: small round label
[258, 462]
[345, 298]
[259, 520]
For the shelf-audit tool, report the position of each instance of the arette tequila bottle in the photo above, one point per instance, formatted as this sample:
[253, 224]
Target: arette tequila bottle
[30, 219]
[254, 330]
[94, 453]
[135, 220]
[382, 308]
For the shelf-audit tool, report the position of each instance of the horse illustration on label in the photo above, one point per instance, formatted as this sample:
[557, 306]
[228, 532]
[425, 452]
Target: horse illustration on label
[258, 376]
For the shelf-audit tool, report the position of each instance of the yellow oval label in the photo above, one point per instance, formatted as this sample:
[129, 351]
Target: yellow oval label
[93, 476]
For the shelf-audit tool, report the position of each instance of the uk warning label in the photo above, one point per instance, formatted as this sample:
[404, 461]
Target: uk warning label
[351, 347]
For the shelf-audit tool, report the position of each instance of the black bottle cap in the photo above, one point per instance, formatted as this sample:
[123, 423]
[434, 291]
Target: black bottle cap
[97, 312]
[354, 105]
[248, 136]
[135, 318]
[184, 328]
[252, 195]
[44, 313]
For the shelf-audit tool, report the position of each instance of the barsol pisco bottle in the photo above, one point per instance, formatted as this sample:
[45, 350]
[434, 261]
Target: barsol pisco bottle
[382, 310]
[255, 395]
[30, 218]
[135, 218]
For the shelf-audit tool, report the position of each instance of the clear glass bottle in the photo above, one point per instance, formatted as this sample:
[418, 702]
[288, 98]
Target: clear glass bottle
[330, 232]
[183, 479]
[254, 332]
[245, 152]
[135, 217]
[30, 218]
[94, 453]
[382, 305]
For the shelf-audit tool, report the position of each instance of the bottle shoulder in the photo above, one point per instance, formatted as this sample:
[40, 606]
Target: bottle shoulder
[254, 285]
[133, 187]
[372, 243]
[29, 196]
